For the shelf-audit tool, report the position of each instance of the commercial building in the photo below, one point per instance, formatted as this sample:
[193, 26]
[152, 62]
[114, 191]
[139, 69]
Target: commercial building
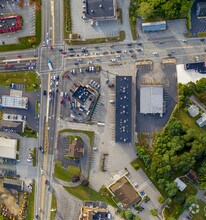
[14, 102]
[151, 99]
[202, 120]
[199, 67]
[101, 10]
[154, 26]
[12, 126]
[125, 192]
[13, 184]
[123, 105]
[193, 111]
[76, 149]
[10, 24]
[201, 9]
[82, 94]
[8, 148]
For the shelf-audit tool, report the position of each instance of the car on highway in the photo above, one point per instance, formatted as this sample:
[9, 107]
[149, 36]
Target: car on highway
[19, 56]
[44, 92]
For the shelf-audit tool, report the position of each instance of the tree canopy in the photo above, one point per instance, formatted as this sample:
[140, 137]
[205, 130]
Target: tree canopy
[161, 9]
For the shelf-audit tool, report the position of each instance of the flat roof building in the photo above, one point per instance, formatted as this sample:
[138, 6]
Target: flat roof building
[199, 67]
[101, 10]
[13, 184]
[8, 148]
[10, 24]
[76, 149]
[125, 192]
[151, 99]
[14, 102]
[81, 94]
[201, 9]
[12, 126]
[154, 26]
[123, 122]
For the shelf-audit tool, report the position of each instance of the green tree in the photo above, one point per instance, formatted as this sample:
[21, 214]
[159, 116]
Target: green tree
[189, 200]
[171, 189]
[128, 214]
[153, 212]
[145, 10]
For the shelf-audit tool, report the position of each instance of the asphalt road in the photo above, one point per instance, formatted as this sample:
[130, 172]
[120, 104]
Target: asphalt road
[52, 33]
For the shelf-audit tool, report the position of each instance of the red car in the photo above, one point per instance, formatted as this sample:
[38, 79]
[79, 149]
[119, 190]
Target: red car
[64, 52]
[19, 56]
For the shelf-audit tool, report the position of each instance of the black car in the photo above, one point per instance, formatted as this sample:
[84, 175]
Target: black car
[129, 45]
[139, 43]
[60, 50]
[44, 92]
[71, 55]
[76, 64]
[70, 48]
[96, 47]
[57, 90]
[202, 40]
[131, 51]
[118, 51]
[57, 78]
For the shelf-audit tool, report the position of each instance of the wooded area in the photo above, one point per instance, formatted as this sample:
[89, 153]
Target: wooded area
[160, 9]
[179, 147]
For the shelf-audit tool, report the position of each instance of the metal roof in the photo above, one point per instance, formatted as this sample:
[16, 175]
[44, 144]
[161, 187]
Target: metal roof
[200, 67]
[154, 26]
[96, 9]
[8, 148]
[14, 102]
[123, 123]
[151, 99]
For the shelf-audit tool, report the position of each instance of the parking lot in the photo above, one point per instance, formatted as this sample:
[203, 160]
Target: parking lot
[198, 24]
[31, 118]
[28, 14]
[156, 74]
[83, 27]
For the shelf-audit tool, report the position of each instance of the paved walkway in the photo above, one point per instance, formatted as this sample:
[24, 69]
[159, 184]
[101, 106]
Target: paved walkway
[65, 183]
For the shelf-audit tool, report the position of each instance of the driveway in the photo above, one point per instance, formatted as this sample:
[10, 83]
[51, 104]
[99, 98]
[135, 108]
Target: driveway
[198, 24]
[68, 206]
[32, 120]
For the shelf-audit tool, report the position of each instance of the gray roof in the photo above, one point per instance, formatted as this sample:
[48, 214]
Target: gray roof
[81, 94]
[13, 126]
[14, 102]
[154, 26]
[202, 120]
[193, 110]
[123, 123]
[151, 99]
[201, 9]
[103, 9]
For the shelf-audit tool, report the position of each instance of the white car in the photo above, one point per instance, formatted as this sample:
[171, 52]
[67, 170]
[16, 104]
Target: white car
[155, 53]
[28, 160]
[42, 172]
[57, 83]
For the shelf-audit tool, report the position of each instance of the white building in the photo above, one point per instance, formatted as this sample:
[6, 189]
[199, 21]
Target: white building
[193, 111]
[8, 148]
[180, 185]
[202, 120]
[151, 99]
[14, 102]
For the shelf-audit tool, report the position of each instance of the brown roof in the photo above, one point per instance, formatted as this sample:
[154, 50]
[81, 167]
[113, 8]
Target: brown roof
[76, 148]
[192, 175]
[125, 192]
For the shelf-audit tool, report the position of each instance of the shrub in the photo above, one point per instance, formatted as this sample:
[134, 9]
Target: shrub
[85, 182]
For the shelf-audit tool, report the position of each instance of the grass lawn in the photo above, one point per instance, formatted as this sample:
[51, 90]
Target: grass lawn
[1, 114]
[28, 132]
[90, 134]
[30, 215]
[28, 78]
[34, 157]
[189, 121]
[65, 174]
[201, 215]
[88, 194]
[37, 108]
[53, 206]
